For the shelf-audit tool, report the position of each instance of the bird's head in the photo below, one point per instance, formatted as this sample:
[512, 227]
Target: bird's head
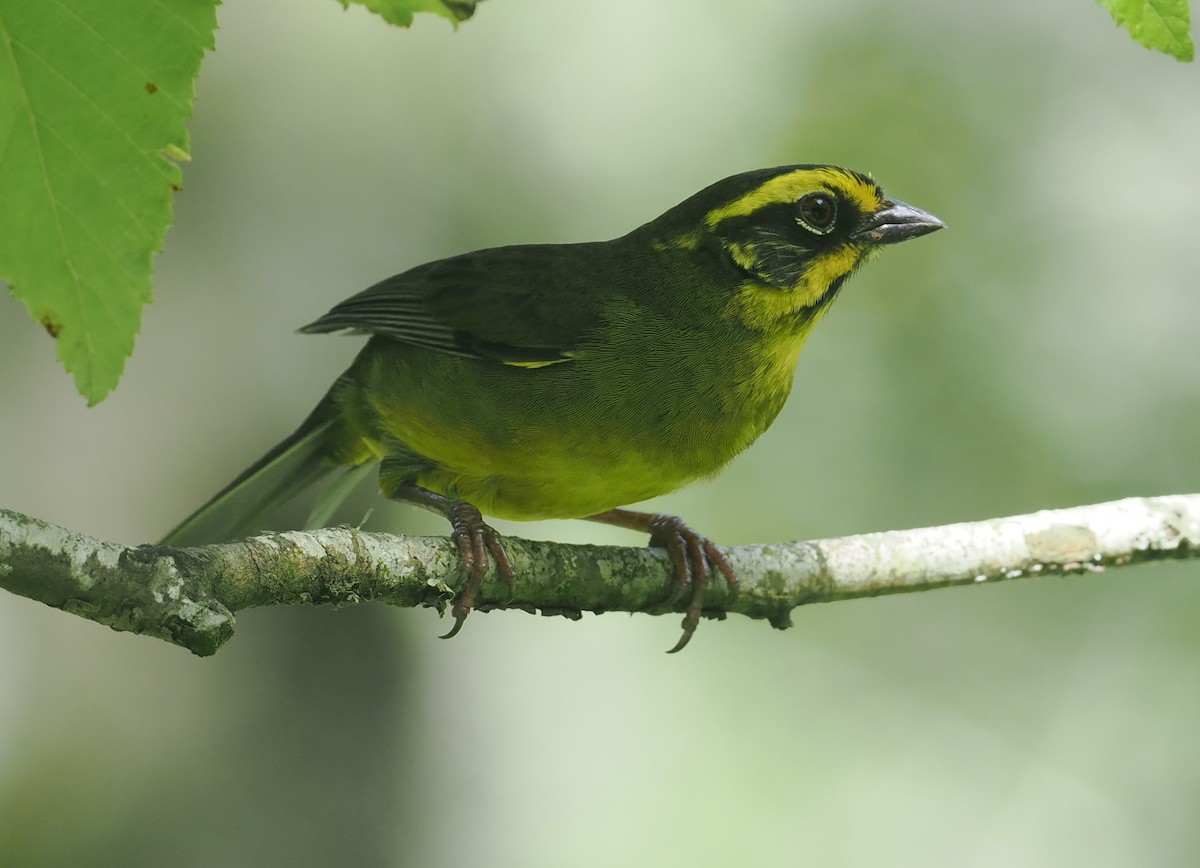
[792, 234]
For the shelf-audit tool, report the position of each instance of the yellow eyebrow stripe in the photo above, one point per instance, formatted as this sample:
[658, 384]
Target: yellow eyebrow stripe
[791, 186]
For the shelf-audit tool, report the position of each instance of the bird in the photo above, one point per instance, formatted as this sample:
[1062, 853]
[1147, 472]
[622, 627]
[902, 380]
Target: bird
[546, 381]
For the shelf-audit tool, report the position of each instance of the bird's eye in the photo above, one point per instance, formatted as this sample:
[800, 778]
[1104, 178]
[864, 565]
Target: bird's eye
[818, 213]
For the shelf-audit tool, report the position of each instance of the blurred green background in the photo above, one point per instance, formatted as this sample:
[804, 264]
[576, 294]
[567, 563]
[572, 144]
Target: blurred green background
[1044, 351]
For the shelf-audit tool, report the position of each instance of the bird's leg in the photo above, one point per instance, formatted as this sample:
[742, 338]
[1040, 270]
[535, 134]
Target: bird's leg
[694, 558]
[474, 538]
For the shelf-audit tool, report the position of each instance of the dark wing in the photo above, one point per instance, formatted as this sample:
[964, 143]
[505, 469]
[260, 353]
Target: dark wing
[525, 305]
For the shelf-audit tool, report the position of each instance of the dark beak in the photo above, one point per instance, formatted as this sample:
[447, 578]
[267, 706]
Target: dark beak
[896, 222]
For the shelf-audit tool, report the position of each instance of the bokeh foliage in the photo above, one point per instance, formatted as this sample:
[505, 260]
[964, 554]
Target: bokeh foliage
[93, 101]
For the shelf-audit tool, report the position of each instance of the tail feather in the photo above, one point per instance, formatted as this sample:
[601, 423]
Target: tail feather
[238, 508]
[335, 493]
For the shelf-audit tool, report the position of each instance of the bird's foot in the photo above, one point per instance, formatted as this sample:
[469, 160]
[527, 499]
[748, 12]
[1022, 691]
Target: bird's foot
[475, 540]
[693, 556]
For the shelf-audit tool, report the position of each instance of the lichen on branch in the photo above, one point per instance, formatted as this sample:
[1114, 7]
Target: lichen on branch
[188, 596]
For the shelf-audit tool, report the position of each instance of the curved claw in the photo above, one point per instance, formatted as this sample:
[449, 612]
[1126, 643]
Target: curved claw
[684, 639]
[458, 622]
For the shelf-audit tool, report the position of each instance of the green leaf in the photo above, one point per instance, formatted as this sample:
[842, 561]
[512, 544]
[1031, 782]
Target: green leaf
[1159, 24]
[93, 99]
[400, 12]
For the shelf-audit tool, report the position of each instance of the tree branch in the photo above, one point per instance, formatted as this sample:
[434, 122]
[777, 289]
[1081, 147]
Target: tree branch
[188, 596]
